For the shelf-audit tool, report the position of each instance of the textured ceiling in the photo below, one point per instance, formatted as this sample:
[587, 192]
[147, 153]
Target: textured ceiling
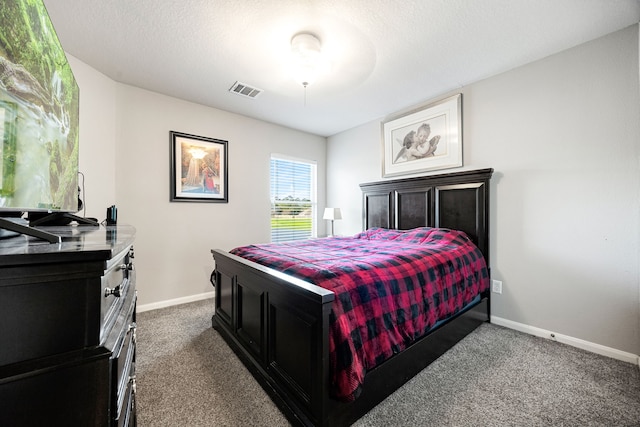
[386, 55]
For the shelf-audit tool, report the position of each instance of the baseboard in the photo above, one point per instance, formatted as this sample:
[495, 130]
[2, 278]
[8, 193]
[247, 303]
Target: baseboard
[574, 342]
[176, 301]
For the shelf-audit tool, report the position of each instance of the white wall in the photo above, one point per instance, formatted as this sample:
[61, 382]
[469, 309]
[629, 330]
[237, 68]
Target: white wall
[97, 138]
[174, 240]
[563, 137]
[124, 154]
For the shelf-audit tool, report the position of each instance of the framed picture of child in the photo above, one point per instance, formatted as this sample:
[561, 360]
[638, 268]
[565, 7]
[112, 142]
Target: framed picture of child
[198, 168]
[424, 140]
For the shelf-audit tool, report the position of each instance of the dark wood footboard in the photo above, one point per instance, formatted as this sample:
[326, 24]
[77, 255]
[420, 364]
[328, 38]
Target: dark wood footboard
[278, 325]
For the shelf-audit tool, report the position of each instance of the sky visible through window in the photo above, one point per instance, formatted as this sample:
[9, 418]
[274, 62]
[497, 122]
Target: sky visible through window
[290, 179]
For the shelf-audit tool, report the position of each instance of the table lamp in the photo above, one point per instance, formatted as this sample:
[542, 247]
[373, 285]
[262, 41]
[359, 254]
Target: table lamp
[332, 214]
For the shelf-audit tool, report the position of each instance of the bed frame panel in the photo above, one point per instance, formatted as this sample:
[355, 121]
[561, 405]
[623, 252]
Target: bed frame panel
[278, 325]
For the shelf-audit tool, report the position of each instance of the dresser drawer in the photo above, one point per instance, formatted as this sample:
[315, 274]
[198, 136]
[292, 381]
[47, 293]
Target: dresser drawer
[124, 368]
[47, 317]
[122, 343]
[70, 393]
[117, 282]
[127, 414]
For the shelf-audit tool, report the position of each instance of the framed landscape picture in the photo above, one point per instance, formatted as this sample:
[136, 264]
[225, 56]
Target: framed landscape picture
[199, 171]
[424, 140]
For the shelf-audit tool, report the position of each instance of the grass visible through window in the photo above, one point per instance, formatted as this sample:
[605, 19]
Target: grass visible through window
[296, 223]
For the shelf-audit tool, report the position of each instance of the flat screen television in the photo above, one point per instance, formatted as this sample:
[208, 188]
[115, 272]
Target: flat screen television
[39, 109]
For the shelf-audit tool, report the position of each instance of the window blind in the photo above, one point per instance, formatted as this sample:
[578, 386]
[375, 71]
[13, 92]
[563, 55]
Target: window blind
[293, 199]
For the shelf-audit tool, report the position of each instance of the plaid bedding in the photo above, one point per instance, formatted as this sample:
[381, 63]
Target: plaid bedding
[391, 287]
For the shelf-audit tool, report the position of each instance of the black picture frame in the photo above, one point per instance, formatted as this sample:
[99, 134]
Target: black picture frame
[199, 168]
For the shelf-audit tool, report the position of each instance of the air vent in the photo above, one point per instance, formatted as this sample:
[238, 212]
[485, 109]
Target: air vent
[245, 90]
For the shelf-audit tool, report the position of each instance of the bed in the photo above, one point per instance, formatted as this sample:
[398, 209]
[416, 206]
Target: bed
[280, 325]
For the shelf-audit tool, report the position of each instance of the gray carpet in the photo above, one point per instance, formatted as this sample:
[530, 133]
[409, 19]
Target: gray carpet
[186, 375]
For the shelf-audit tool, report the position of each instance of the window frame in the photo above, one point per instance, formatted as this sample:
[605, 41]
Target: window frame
[313, 193]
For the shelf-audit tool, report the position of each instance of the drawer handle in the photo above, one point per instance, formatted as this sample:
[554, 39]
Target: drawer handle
[127, 267]
[133, 383]
[133, 327]
[112, 291]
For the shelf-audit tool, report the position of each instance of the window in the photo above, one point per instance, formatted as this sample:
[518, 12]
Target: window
[293, 199]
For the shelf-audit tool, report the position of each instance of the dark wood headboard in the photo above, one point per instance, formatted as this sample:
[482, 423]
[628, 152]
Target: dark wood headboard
[457, 200]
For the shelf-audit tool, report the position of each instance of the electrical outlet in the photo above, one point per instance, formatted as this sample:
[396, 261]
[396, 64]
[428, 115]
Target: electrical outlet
[497, 287]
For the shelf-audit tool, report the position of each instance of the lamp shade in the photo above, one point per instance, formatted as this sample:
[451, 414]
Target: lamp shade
[332, 213]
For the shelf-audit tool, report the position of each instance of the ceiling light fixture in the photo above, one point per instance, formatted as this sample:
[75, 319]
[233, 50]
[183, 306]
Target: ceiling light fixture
[307, 62]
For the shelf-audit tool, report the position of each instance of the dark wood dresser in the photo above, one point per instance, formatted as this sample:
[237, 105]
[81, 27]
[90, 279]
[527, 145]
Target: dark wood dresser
[67, 328]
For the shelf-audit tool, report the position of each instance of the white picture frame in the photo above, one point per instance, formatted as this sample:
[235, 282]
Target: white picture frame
[424, 140]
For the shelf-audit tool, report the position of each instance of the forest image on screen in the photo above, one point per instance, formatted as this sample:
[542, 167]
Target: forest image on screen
[38, 113]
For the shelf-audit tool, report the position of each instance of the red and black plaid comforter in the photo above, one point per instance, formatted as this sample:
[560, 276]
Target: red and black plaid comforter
[391, 287]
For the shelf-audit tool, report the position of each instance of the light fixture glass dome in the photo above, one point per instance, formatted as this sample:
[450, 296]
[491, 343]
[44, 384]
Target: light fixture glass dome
[306, 62]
